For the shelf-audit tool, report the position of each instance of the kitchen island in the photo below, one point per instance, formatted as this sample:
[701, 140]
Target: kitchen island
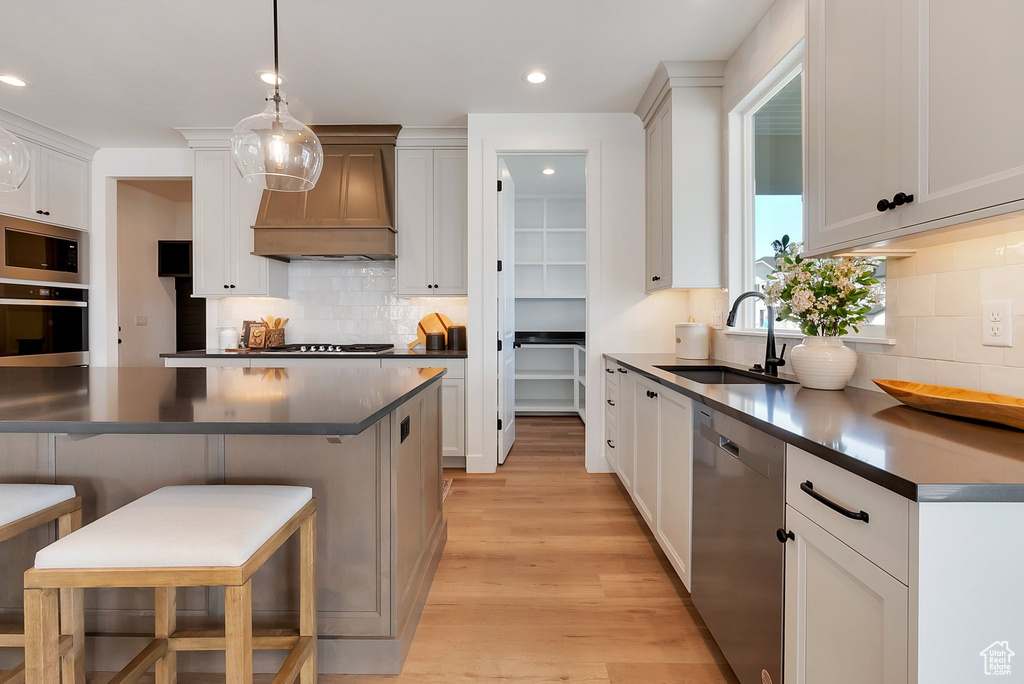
[368, 441]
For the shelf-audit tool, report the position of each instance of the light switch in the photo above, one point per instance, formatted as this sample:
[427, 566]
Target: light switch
[717, 320]
[997, 323]
[141, 320]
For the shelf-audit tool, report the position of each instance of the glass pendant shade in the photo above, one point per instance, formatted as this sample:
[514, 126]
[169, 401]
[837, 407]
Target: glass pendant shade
[15, 161]
[277, 151]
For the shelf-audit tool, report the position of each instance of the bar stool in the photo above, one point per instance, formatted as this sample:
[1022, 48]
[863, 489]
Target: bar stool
[212, 535]
[24, 507]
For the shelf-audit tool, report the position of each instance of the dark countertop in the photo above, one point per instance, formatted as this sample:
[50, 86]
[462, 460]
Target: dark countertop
[402, 352]
[254, 401]
[919, 455]
[579, 338]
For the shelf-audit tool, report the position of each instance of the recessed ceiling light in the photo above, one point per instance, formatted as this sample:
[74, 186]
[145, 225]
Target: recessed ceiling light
[548, 171]
[268, 77]
[12, 81]
[535, 77]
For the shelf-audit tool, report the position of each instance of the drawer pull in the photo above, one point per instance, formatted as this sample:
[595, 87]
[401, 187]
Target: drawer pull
[622, 370]
[610, 443]
[808, 488]
[610, 402]
[608, 370]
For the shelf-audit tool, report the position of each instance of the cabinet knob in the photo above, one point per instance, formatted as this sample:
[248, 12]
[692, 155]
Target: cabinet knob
[784, 536]
[46, 213]
[436, 286]
[652, 395]
[899, 199]
[884, 205]
[39, 211]
[225, 287]
[232, 287]
[655, 278]
[430, 286]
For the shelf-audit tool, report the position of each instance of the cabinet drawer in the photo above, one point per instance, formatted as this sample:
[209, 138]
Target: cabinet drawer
[611, 418]
[611, 373]
[884, 539]
[611, 394]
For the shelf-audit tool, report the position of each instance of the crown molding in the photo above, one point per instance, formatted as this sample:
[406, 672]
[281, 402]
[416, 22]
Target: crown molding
[44, 135]
[668, 75]
[433, 137]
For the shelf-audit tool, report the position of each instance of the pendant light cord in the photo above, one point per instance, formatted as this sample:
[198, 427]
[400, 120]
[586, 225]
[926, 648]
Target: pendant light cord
[277, 67]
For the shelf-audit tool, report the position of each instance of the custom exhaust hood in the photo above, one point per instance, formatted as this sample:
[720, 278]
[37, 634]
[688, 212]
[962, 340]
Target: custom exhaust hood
[349, 215]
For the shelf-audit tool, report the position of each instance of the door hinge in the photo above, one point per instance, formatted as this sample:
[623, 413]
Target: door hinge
[499, 186]
[499, 264]
[499, 345]
[499, 424]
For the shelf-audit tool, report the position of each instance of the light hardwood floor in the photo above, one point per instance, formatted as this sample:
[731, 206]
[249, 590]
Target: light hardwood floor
[550, 575]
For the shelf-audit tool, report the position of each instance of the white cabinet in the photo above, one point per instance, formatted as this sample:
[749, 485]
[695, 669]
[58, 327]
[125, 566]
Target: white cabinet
[682, 113]
[675, 481]
[431, 212]
[224, 210]
[846, 619]
[918, 105]
[551, 379]
[620, 387]
[645, 449]
[56, 190]
[551, 247]
[453, 428]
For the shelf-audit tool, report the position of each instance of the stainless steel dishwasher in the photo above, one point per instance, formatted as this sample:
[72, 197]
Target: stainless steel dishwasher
[739, 499]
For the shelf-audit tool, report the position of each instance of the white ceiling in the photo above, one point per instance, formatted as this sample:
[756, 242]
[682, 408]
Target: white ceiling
[124, 73]
[570, 177]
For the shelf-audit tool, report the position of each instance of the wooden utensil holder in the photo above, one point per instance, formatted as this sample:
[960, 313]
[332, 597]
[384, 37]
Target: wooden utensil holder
[275, 337]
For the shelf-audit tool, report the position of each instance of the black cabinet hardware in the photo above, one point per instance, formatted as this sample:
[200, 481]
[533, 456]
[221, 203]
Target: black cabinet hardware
[42, 213]
[405, 429]
[610, 402]
[652, 395]
[232, 287]
[655, 278]
[436, 286]
[808, 488]
[899, 199]
[784, 536]
[884, 205]
[610, 443]
[225, 287]
[621, 370]
[608, 370]
[517, 345]
[430, 286]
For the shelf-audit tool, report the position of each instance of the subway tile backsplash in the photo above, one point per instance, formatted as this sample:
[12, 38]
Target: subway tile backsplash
[933, 312]
[342, 302]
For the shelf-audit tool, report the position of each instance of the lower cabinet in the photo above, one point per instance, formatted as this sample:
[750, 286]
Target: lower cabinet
[453, 404]
[675, 481]
[646, 430]
[846, 619]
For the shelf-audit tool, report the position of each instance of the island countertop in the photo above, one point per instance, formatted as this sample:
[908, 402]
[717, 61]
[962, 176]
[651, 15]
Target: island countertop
[255, 401]
[922, 456]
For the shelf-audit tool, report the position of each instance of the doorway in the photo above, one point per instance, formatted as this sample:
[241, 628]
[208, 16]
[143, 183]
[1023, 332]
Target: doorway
[542, 288]
[155, 308]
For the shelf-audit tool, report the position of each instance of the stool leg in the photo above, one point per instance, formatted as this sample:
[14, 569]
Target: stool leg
[72, 613]
[307, 595]
[238, 630]
[42, 636]
[166, 669]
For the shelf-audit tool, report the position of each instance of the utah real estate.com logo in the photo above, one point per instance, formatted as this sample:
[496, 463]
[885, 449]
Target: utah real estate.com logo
[997, 658]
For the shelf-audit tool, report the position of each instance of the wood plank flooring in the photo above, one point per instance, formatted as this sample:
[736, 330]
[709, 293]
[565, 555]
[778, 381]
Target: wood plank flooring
[550, 575]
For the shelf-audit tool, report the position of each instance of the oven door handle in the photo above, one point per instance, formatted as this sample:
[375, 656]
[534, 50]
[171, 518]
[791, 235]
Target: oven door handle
[42, 302]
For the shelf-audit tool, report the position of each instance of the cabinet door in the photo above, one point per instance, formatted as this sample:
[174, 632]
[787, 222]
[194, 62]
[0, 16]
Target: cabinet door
[675, 481]
[853, 119]
[846, 619]
[656, 180]
[645, 488]
[453, 425]
[211, 222]
[415, 215]
[963, 99]
[64, 189]
[450, 222]
[249, 273]
[625, 448]
[24, 201]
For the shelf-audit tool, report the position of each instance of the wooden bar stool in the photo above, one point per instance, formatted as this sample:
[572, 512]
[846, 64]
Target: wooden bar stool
[24, 507]
[213, 535]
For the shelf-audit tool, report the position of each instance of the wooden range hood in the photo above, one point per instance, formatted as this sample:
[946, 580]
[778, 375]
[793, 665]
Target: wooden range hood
[349, 215]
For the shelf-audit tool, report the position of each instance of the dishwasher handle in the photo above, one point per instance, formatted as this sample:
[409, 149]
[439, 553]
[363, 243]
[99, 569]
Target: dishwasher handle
[728, 446]
[808, 488]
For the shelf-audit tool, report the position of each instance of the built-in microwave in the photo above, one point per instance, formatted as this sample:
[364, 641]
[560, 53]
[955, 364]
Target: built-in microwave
[43, 325]
[36, 251]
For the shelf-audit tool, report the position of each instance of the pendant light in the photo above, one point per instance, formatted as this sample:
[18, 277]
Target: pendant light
[14, 161]
[274, 149]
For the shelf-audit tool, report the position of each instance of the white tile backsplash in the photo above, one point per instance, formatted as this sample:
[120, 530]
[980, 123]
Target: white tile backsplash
[342, 302]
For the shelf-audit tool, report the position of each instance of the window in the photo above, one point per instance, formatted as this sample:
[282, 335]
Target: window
[773, 191]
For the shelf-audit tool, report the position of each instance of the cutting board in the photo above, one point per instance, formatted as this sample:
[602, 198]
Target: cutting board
[434, 322]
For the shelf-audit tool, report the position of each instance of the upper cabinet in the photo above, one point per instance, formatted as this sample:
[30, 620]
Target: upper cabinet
[912, 122]
[224, 210]
[682, 114]
[432, 222]
[56, 190]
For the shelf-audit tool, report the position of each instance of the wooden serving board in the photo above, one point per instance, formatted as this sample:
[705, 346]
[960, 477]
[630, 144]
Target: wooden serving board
[433, 322]
[956, 401]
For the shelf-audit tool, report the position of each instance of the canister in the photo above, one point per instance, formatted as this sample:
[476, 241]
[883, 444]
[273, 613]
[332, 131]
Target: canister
[692, 340]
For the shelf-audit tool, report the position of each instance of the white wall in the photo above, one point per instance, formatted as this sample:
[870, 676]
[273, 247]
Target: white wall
[620, 317]
[143, 218]
[108, 166]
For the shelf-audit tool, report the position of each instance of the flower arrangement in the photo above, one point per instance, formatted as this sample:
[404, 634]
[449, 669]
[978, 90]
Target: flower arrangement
[825, 297]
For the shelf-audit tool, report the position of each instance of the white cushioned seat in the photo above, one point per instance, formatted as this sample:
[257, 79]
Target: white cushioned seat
[19, 501]
[185, 526]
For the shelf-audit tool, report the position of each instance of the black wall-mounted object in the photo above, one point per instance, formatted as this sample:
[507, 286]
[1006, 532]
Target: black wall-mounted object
[174, 259]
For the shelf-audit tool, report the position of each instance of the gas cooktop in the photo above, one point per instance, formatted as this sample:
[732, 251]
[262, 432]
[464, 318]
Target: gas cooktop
[330, 349]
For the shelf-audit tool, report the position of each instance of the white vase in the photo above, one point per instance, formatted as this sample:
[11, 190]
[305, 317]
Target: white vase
[823, 363]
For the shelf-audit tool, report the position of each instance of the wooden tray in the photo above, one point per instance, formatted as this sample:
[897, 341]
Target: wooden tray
[956, 401]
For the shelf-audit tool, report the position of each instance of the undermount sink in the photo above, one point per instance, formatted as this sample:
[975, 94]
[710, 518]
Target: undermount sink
[722, 375]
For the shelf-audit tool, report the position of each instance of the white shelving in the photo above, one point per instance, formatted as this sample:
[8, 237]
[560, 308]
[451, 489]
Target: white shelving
[551, 378]
[551, 247]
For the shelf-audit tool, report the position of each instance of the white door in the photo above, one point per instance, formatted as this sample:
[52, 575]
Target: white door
[854, 120]
[963, 101]
[675, 481]
[415, 216]
[645, 484]
[655, 233]
[450, 222]
[249, 273]
[211, 229]
[65, 189]
[845, 618]
[24, 201]
[506, 312]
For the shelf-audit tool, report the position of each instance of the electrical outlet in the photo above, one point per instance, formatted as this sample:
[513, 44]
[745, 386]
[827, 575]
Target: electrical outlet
[717, 320]
[141, 320]
[997, 323]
